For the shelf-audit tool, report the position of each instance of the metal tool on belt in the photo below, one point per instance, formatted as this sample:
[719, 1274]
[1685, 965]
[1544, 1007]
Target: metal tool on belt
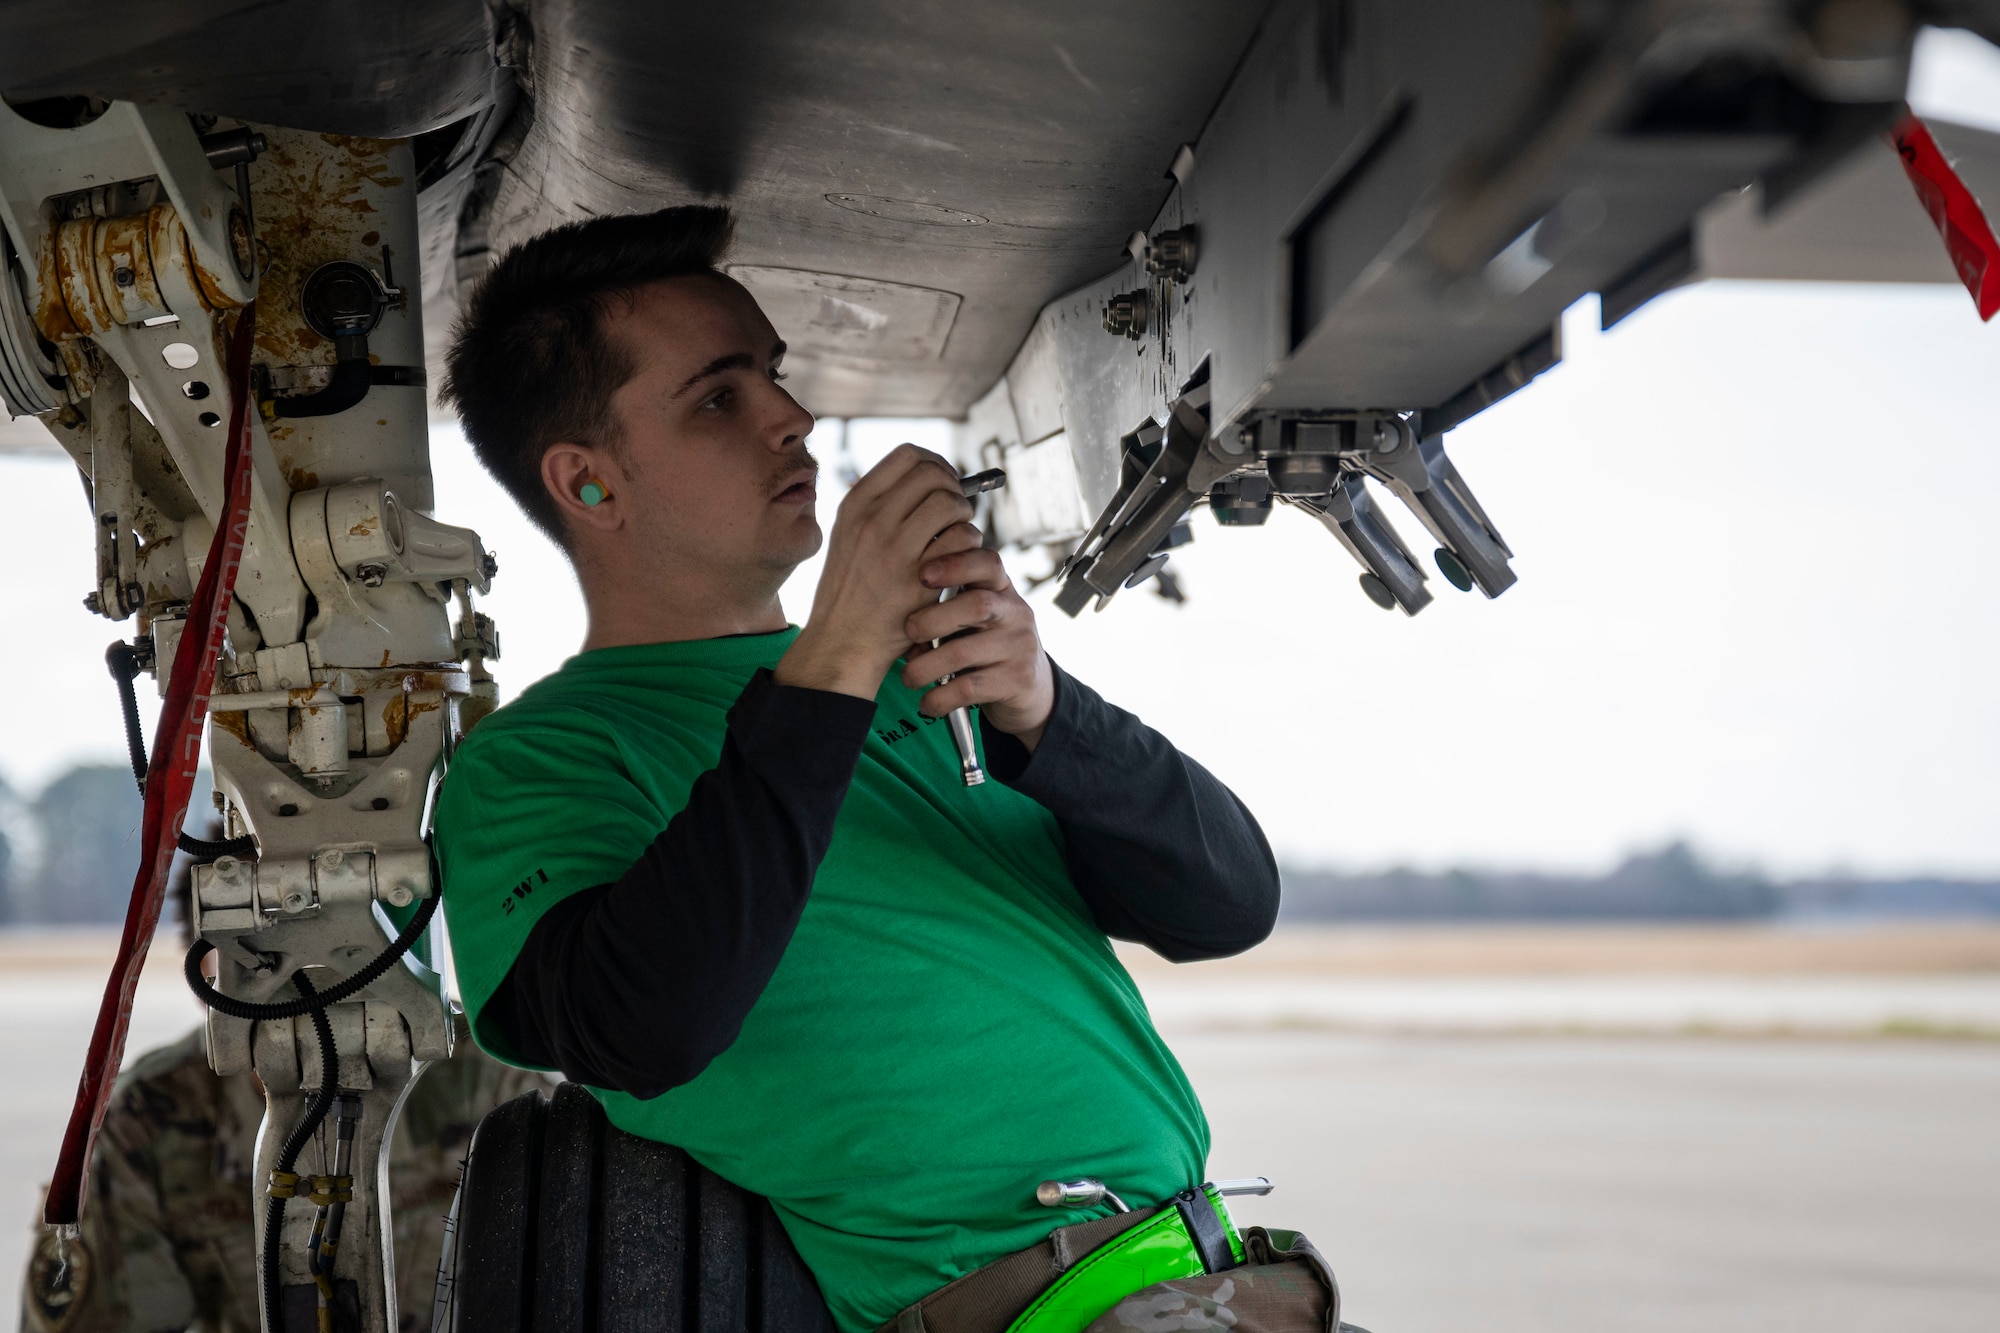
[959, 720]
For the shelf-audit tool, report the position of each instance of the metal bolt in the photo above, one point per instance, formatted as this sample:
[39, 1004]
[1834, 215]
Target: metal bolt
[1128, 314]
[371, 575]
[93, 604]
[123, 276]
[400, 896]
[294, 902]
[331, 858]
[226, 867]
[1172, 254]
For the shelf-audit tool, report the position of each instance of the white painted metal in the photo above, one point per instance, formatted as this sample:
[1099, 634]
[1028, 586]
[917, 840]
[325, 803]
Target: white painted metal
[341, 679]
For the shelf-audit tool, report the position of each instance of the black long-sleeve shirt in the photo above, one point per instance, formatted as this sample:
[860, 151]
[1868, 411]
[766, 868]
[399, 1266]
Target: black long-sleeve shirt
[1161, 852]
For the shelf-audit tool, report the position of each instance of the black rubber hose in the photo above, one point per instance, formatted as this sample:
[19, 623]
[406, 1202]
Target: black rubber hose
[312, 1002]
[352, 375]
[204, 851]
[329, 1066]
[348, 386]
[123, 663]
[288, 1154]
[274, 1223]
[334, 994]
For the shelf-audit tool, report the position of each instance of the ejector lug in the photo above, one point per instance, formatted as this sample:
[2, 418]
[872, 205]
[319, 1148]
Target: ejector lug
[1184, 470]
[1350, 514]
[1422, 477]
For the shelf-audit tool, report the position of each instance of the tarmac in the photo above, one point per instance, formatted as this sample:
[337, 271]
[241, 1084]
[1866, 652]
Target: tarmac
[1520, 1184]
[1827, 1164]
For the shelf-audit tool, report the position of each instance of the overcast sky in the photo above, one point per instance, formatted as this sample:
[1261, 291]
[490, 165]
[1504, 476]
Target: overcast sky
[1755, 533]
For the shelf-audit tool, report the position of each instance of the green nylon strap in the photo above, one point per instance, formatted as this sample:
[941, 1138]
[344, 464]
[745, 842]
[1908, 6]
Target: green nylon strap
[1157, 1250]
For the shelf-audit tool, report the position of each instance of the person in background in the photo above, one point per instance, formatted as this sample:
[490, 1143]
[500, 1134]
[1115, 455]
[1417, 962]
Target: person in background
[168, 1236]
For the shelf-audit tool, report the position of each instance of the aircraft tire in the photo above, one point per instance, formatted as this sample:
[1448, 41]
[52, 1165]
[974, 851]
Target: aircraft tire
[565, 1222]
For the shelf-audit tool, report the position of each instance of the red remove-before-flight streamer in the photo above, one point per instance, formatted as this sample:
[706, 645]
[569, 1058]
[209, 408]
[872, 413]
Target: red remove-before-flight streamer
[1968, 237]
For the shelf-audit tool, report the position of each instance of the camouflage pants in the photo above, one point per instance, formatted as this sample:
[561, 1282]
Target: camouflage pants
[1284, 1286]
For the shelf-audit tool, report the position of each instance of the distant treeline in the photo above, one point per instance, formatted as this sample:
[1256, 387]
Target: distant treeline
[67, 857]
[1671, 884]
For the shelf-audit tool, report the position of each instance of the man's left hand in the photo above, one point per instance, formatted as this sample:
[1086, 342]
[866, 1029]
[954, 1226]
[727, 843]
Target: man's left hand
[1000, 665]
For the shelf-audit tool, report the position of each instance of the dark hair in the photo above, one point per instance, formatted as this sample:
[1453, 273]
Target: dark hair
[529, 364]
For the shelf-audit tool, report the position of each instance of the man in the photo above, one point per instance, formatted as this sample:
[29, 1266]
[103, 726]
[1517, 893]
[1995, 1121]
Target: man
[723, 871]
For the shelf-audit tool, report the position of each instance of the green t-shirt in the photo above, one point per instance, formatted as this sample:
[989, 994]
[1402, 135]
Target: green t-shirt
[948, 1027]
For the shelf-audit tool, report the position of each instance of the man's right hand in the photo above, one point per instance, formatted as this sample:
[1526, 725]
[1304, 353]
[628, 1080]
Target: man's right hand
[907, 510]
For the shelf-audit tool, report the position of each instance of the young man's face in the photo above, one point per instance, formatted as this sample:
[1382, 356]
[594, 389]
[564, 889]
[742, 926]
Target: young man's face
[713, 449]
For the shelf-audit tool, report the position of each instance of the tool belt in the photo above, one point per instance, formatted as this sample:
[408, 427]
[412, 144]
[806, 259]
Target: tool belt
[1064, 1283]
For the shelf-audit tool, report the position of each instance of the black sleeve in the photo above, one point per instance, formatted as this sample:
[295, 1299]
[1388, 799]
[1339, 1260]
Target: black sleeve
[636, 985]
[1163, 853]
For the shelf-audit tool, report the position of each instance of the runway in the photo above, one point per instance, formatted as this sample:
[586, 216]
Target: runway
[1565, 1185]
[1467, 1175]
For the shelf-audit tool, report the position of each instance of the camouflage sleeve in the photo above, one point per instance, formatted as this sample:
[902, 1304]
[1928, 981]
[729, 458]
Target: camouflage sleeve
[166, 1241]
[120, 1274]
